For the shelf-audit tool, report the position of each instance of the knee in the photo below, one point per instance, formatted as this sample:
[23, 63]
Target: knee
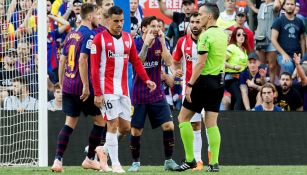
[136, 131]
[124, 130]
[168, 126]
[112, 125]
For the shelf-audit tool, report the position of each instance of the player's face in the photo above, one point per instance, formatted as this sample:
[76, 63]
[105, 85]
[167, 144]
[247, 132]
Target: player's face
[187, 8]
[203, 16]
[153, 26]
[285, 82]
[116, 23]
[161, 26]
[289, 6]
[253, 65]
[93, 16]
[48, 7]
[58, 95]
[134, 5]
[106, 5]
[267, 95]
[240, 36]
[195, 26]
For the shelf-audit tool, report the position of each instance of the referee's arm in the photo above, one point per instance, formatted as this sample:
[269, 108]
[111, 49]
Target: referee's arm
[201, 60]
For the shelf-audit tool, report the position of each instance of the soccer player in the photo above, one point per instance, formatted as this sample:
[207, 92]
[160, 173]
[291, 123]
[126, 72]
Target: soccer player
[110, 53]
[185, 54]
[152, 50]
[76, 87]
[268, 94]
[103, 7]
[205, 89]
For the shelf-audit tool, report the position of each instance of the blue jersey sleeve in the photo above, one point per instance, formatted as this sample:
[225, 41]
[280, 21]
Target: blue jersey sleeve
[87, 43]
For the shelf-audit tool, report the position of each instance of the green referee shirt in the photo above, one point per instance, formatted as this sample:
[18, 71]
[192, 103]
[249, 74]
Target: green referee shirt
[214, 42]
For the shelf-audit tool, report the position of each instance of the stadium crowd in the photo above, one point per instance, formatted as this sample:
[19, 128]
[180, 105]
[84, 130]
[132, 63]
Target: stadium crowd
[267, 51]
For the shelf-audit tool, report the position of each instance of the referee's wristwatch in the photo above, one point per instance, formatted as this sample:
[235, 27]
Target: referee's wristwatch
[189, 85]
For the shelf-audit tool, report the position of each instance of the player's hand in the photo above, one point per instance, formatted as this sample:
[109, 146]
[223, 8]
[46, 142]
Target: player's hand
[99, 101]
[179, 73]
[85, 93]
[151, 85]
[285, 58]
[149, 37]
[297, 58]
[161, 36]
[188, 94]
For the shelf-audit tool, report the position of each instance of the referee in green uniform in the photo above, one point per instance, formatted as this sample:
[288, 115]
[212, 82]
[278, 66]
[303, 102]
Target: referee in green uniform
[205, 88]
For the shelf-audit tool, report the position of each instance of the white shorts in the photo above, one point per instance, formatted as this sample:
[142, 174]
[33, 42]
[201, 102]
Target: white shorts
[116, 106]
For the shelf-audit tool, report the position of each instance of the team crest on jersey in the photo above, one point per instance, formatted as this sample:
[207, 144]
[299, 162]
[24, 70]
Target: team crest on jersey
[109, 44]
[127, 43]
[93, 49]
[157, 52]
[89, 44]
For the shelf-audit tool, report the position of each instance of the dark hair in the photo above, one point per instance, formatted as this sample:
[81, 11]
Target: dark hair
[271, 86]
[286, 73]
[160, 20]
[194, 14]
[99, 2]
[57, 86]
[233, 39]
[115, 10]
[212, 8]
[87, 8]
[147, 20]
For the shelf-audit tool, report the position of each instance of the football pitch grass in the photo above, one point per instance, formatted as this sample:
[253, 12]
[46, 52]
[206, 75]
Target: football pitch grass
[158, 170]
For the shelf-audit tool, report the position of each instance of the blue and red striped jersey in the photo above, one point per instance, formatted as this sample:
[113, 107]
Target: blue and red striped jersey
[76, 42]
[152, 65]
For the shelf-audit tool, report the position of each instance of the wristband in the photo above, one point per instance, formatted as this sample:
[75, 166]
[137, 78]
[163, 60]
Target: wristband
[190, 85]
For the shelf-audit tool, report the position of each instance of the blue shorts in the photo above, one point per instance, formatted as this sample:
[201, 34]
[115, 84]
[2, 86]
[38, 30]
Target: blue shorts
[158, 113]
[72, 105]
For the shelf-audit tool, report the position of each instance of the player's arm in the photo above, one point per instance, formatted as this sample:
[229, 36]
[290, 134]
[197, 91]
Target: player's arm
[62, 69]
[166, 55]
[62, 21]
[138, 67]
[164, 10]
[177, 55]
[149, 39]
[96, 50]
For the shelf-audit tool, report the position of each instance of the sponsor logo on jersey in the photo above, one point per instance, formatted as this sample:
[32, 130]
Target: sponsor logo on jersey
[150, 64]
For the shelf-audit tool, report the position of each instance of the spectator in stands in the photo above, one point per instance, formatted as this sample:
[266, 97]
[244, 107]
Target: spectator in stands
[6, 30]
[289, 99]
[288, 37]
[236, 62]
[103, 7]
[267, 93]
[70, 11]
[180, 20]
[7, 73]
[227, 17]
[56, 103]
[251, 81]
[20, 100]
[302, 72]
[241, 18]
[24, 62]
[267, 13]
[134, 21]
[52, 55]
[49, 4]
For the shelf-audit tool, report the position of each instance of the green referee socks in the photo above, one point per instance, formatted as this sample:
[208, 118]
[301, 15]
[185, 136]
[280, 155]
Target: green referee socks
[214, 138]
[187, 136]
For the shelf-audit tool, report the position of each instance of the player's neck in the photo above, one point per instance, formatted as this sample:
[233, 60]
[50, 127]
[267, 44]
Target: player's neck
[104, 22]
[87, 24]
[132, 14]
[268, 106]
[211, 23]
[195, 37]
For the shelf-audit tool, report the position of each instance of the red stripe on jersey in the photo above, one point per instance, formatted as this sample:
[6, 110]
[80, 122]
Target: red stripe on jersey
[127, 46]
[110, 63]
[187, 53]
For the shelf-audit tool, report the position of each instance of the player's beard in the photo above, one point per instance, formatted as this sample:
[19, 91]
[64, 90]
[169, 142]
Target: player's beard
[94, 25]
[196, 32]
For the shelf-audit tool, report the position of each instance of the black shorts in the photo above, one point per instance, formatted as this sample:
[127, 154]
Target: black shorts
[158, 113]
[207, 94]
[73, 105]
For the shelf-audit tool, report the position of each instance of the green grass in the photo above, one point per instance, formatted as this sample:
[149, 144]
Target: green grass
[156, 170]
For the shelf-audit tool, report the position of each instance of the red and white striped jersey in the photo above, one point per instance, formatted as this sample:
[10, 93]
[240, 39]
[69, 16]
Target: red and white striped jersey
[186, 49]
[109, 63]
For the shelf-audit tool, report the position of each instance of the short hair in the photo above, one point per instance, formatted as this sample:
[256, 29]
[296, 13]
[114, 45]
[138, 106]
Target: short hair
[271, 86]
[115, 10]
[57, 86]
[160, 20]
[286, 73]
[87, 8]
[194, 14]
[147, 20]
[212, 8]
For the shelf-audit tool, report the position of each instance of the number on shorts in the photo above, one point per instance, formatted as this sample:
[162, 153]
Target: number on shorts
[108, 105]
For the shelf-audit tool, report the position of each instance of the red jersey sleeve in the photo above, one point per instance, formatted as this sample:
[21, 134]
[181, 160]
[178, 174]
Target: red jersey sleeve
[136, 62]
[96, 50]
[177, 53]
